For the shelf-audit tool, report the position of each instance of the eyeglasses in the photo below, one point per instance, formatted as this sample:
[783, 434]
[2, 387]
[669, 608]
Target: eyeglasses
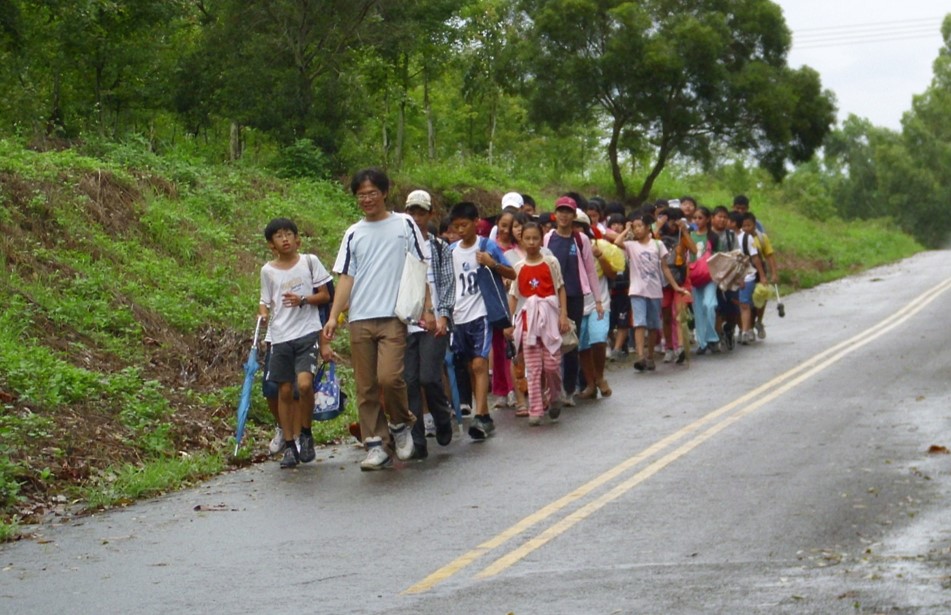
[368, 196]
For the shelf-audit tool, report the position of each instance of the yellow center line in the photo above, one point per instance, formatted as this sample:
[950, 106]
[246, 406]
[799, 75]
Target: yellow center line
[757, 396]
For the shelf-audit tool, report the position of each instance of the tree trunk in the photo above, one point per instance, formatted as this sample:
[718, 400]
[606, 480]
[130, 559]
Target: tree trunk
[235, 144]
[430, 127]
[493, 122]
[659, 165]
[619, 187]
[386, 133]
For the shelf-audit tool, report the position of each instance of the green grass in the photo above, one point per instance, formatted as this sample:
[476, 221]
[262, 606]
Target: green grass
[128, 482]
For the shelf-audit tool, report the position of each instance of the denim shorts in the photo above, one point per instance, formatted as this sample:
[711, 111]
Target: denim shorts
[746, 293]
[646, 312]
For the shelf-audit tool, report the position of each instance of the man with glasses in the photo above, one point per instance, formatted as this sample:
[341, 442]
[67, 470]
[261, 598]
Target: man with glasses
[370, 265]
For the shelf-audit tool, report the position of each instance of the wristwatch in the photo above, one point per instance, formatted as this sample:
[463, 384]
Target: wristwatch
[303, 301]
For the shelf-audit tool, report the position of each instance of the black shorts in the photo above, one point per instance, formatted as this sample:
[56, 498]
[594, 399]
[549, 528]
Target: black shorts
[620, 311]
[291, 358]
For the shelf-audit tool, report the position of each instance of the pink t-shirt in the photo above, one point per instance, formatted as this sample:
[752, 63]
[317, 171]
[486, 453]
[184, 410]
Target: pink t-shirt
[646, 274]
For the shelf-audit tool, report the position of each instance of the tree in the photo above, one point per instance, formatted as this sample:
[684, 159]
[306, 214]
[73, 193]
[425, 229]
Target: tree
[276, 66]
[676, 77]
[920, 177]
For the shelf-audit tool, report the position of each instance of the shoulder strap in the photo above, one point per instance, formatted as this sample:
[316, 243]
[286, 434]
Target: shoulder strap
[412, 231]
[746, 244]
[310, 266]
[578, 241]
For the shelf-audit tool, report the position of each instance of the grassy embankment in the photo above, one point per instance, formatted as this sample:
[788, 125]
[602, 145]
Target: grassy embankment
[131, 283]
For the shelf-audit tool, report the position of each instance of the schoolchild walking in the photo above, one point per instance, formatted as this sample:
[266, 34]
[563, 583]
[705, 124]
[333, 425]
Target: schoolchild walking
[648, 263]
[538, 302]
[289, 305]
[593, 337]
[766, 251]
[747, 241]
[472, 333]
[573, 251]
[703, 288]
[426, 350]
[620, 306]
[728, 301]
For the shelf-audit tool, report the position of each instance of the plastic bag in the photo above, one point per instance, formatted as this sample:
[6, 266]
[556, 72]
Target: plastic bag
[329, 400]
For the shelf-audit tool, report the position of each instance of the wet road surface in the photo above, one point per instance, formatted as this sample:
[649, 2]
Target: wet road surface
[789, 476]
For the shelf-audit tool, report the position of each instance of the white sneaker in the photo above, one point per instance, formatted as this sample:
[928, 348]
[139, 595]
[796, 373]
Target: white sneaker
[568, 401]
[429, 425]
[760, 330]
[510, 399]
[403, 441]
[669, 356]
[277, 442]
[377, 459]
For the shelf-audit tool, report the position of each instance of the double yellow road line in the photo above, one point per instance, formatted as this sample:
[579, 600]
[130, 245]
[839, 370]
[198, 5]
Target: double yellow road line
[715, 422]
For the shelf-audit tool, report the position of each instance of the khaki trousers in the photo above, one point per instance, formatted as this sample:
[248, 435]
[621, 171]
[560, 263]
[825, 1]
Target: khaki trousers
[377, 349]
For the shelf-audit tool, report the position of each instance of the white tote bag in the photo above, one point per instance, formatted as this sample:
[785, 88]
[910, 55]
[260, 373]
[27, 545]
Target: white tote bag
[412, 296]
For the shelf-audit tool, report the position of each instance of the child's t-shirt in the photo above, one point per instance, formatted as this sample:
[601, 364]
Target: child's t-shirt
[290, 323]
[646, 274]
[469, 303]
[541, 279]
[751, 251]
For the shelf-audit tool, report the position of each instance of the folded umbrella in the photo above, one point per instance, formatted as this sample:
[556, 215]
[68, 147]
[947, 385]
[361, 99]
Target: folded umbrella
[244, 404]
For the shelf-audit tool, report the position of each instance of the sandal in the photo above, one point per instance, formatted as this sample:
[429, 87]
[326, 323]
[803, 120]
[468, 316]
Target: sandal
[521, 411]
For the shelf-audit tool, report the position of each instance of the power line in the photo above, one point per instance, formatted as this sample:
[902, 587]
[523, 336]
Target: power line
[850, 43]
[869, 33]
[930, 20]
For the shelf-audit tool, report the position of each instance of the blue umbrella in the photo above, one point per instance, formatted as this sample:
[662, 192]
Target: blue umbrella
[250, 367]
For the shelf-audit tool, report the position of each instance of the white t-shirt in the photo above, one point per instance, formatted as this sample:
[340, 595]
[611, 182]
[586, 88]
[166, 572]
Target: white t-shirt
[289, 323]
[469, 303]
[752, 250]
[373, 254]
[646, 273]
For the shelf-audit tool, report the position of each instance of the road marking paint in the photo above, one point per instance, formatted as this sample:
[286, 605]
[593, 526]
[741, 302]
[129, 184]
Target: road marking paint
[758, 398]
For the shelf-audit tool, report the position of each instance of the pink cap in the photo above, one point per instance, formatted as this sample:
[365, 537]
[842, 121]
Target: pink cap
[566, 201]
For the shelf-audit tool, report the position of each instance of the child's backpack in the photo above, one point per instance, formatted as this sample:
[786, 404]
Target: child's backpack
[675, 259]
[323, 310]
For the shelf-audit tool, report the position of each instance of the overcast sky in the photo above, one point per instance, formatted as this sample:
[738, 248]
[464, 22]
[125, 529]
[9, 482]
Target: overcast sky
[874, 54]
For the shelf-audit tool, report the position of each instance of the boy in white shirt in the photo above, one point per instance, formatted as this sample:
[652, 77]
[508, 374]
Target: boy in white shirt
[289, 306]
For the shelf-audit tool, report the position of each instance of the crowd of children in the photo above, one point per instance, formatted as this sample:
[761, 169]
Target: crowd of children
[529, 309]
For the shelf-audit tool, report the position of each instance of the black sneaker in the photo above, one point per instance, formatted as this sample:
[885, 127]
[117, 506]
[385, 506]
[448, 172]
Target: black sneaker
[291, 457]
[307, 452]
[640, 365]
[481, 427]
[681, 357]
[729, 336]
[420, 452]
[444, 433]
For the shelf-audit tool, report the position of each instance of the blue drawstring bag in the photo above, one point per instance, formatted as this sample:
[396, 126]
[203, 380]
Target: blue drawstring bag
[329, 400]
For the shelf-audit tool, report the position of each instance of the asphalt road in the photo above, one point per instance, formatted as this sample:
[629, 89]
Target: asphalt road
[792, 476]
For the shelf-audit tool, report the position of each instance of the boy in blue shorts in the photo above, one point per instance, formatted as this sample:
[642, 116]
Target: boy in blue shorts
[289, 306]
[472, 333]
